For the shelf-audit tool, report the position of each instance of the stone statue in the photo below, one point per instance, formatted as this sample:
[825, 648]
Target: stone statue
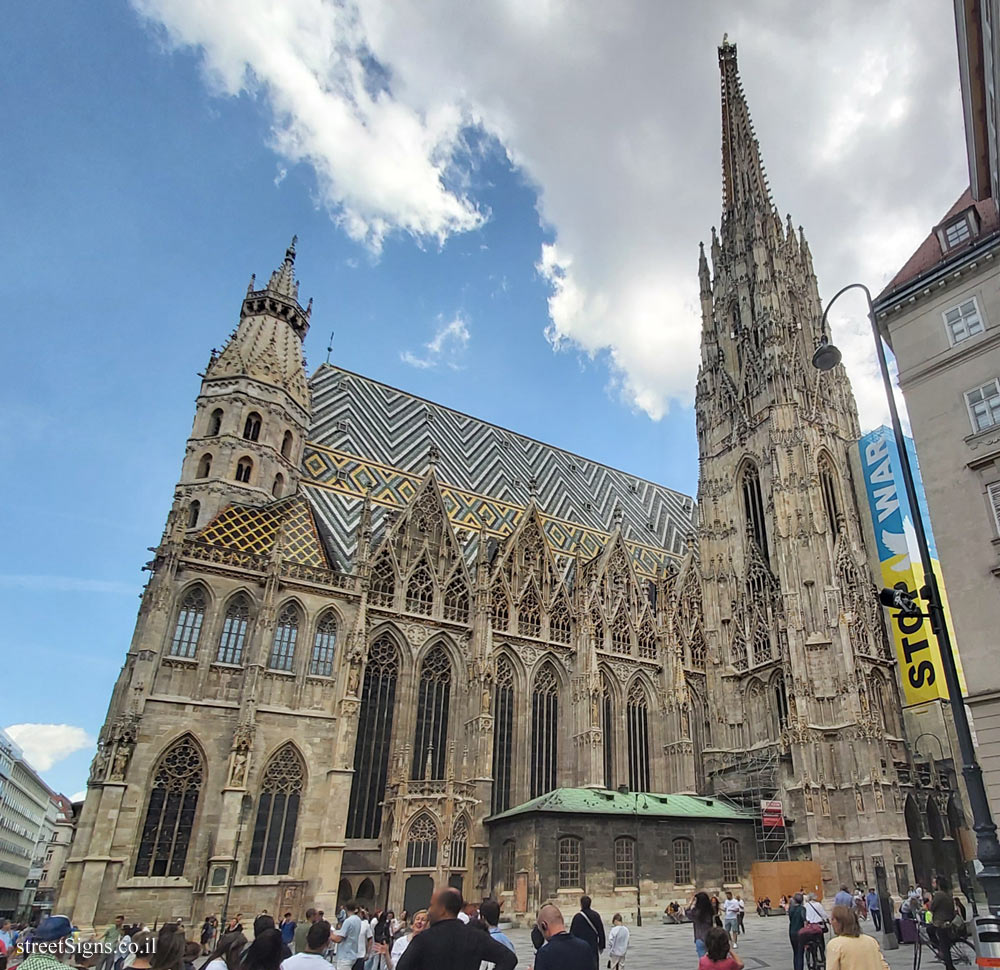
[859, 801]
[353, 679]
[879, 799]
[482, 870]
[810, 804]
[486, 700]
[238, 774]
[99, 767]
[824, 800]
[120, 764]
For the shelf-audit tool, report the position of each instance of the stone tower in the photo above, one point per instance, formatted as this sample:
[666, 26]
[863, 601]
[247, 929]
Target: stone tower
[799, 676]
[253, 411]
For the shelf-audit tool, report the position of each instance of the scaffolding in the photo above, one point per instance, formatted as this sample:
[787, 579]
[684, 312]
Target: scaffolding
[749, 781]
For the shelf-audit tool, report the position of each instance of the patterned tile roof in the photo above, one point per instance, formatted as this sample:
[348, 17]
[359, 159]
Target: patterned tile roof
[368, 435]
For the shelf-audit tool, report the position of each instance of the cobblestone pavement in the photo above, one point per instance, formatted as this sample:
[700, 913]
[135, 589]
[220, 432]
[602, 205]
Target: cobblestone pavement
[654, 946]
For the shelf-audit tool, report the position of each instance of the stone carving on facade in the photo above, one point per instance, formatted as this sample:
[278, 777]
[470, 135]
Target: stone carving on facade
[99, 766]
[119, 763]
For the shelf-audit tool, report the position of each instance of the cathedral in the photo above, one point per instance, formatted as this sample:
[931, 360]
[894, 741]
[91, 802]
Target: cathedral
[386, 646]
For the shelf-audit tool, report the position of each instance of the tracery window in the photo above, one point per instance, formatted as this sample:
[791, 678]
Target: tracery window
[682, 862]
[763, 649]
[170, 811]
[828, 485]
[459, 843]
[456, 601]
[756, 712]
[189, 620]
[529, 615]
[382, 588]
[608, 730]
[277, 814]
[753, 507]
[560, 624]
[499, 608]
[285, 634]
[738, 651]
[647, 641]
[324, 644]
[420, 591]
[597, 622]
[544, 725]
[503, 735]
[698, 650]
[194, 510]
[234, 631]
[215, 422]
[569, 863]
[371, 752]
[781, 703]
[508, 862]
[624, 861]
[730, 861]
[286, 445]
[621, 633]
[637, 721]
[205, 465]
[244, 469]
[422, 843]
[431, 740]
[251, 427]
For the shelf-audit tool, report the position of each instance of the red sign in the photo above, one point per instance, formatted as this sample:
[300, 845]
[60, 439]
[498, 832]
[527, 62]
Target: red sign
[772, 815]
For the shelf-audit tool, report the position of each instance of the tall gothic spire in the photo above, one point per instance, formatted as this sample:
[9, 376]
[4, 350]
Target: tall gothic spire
[744, 183]
[283, 280]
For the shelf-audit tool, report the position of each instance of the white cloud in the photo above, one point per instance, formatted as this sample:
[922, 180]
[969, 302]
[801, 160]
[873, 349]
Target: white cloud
[79, 796]
[614, 116]
[66, 584]
[46, 744]
[445, 347]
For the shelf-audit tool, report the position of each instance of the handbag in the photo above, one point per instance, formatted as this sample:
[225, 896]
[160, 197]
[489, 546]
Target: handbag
[812, 929]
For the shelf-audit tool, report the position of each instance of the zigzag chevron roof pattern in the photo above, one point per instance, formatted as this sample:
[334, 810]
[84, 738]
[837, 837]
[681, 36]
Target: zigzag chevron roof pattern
[367, 434]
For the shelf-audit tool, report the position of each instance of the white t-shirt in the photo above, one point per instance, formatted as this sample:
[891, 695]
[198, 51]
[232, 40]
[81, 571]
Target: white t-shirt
[299, 961]
[731, 907]
[618, 941]
[365, 938]
[399, 948]
[743, 905]
[219, 964]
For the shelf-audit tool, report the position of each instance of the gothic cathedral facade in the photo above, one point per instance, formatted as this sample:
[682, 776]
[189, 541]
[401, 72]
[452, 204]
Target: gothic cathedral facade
[373, 625]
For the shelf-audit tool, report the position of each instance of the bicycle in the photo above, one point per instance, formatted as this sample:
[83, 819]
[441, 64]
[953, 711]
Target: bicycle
[814, 953]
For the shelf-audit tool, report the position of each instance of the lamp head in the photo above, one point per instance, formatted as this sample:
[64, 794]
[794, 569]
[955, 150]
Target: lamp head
[827, 355]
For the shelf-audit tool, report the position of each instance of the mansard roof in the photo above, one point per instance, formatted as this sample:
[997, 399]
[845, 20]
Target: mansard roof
[367, 435]
[604, 801]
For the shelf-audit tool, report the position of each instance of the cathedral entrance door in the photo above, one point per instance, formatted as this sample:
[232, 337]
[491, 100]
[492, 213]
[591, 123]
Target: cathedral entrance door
[417, 893]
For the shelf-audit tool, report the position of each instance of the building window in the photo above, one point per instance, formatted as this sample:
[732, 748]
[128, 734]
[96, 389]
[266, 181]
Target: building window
[205, 466]
[508, 862]
[420, 591]
[189, 621]
[781, 703]
[459, 843]
[286, 445]
[234, 631]
[529, 614]
[251, 427]
[279, 485]
[285, 634]
[984, 405]
[698, 650]
[544, 724]
[431, 740]
[277, 814]
[963, 321]
[753, 507]
[624, 861]
[828, 485]
[637, 718]
[957, 232]
[730, 861]
[382, 589]
[569, 863]
[456, 601]
[621, 633]
[215, 422]
[682, 862]
[647, 641]
[170, 811]
[993, 491]
[321, 661]
[500, 608]
[607, 730]
[422, 843]
[597, 622]
[371, 752]
[194, 510]
[560, 625]
[503, 735]
[244, 468]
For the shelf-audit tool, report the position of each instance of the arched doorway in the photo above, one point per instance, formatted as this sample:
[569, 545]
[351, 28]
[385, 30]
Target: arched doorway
[366, 894]
[344, 893]
[417, 893]
[915, 833]
[940, 841]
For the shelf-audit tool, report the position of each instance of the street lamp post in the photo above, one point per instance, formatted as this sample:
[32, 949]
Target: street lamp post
[825, 358]
[246, 804]
[624, 790]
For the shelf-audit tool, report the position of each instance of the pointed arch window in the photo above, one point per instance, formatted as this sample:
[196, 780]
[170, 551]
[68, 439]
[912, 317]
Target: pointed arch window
[324, 644]
[621, 633]
[756, 713]
[500, 608]
[431, 740]
[597, 622]
[190, 617]
[560, 624]
[456, 601]
[544, 727]
[763, 649]
[459, 843]
[881, 705]
[234, 631]
[738, 651]
[753, 508]
[529, 614]
[422, 843]
[420, 591]
[277, 814]
[215, 422]
[205, 465]
[698, 650]
[781, 702]
[828, 485]
[251, 427]
[371, 752]
[194, 510]
[170, 810]
[279, 485]
[382, 588]
[286, 445]
[608, 730]
[637, 723]
[285, 634]
[244, 469]
[647, 641]
[503, 735]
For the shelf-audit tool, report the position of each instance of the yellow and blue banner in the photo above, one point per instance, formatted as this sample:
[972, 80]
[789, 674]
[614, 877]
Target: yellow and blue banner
[917, 649]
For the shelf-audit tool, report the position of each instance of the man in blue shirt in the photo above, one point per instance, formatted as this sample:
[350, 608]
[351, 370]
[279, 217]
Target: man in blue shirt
[348, 939]
[489, 913]
[560, 950]
[844, 898]
[873, 907]
[287, 929]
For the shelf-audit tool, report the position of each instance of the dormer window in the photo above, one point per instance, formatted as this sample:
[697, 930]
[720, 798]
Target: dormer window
[958, 230]
[957, 233]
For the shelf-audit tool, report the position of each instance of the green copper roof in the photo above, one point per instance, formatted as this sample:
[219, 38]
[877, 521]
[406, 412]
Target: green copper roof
[601, 801]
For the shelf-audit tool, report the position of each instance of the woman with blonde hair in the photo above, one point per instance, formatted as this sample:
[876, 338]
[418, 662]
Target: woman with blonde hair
[851, 949]
[418, 925]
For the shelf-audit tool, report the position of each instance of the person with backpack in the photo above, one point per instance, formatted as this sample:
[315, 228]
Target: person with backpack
[587, 926]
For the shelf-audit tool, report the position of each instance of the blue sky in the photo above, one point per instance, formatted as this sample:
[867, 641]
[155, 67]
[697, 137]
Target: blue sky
[541, 221]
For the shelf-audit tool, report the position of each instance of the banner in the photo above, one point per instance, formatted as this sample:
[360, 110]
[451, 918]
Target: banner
[917, 649]
[772, 814]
